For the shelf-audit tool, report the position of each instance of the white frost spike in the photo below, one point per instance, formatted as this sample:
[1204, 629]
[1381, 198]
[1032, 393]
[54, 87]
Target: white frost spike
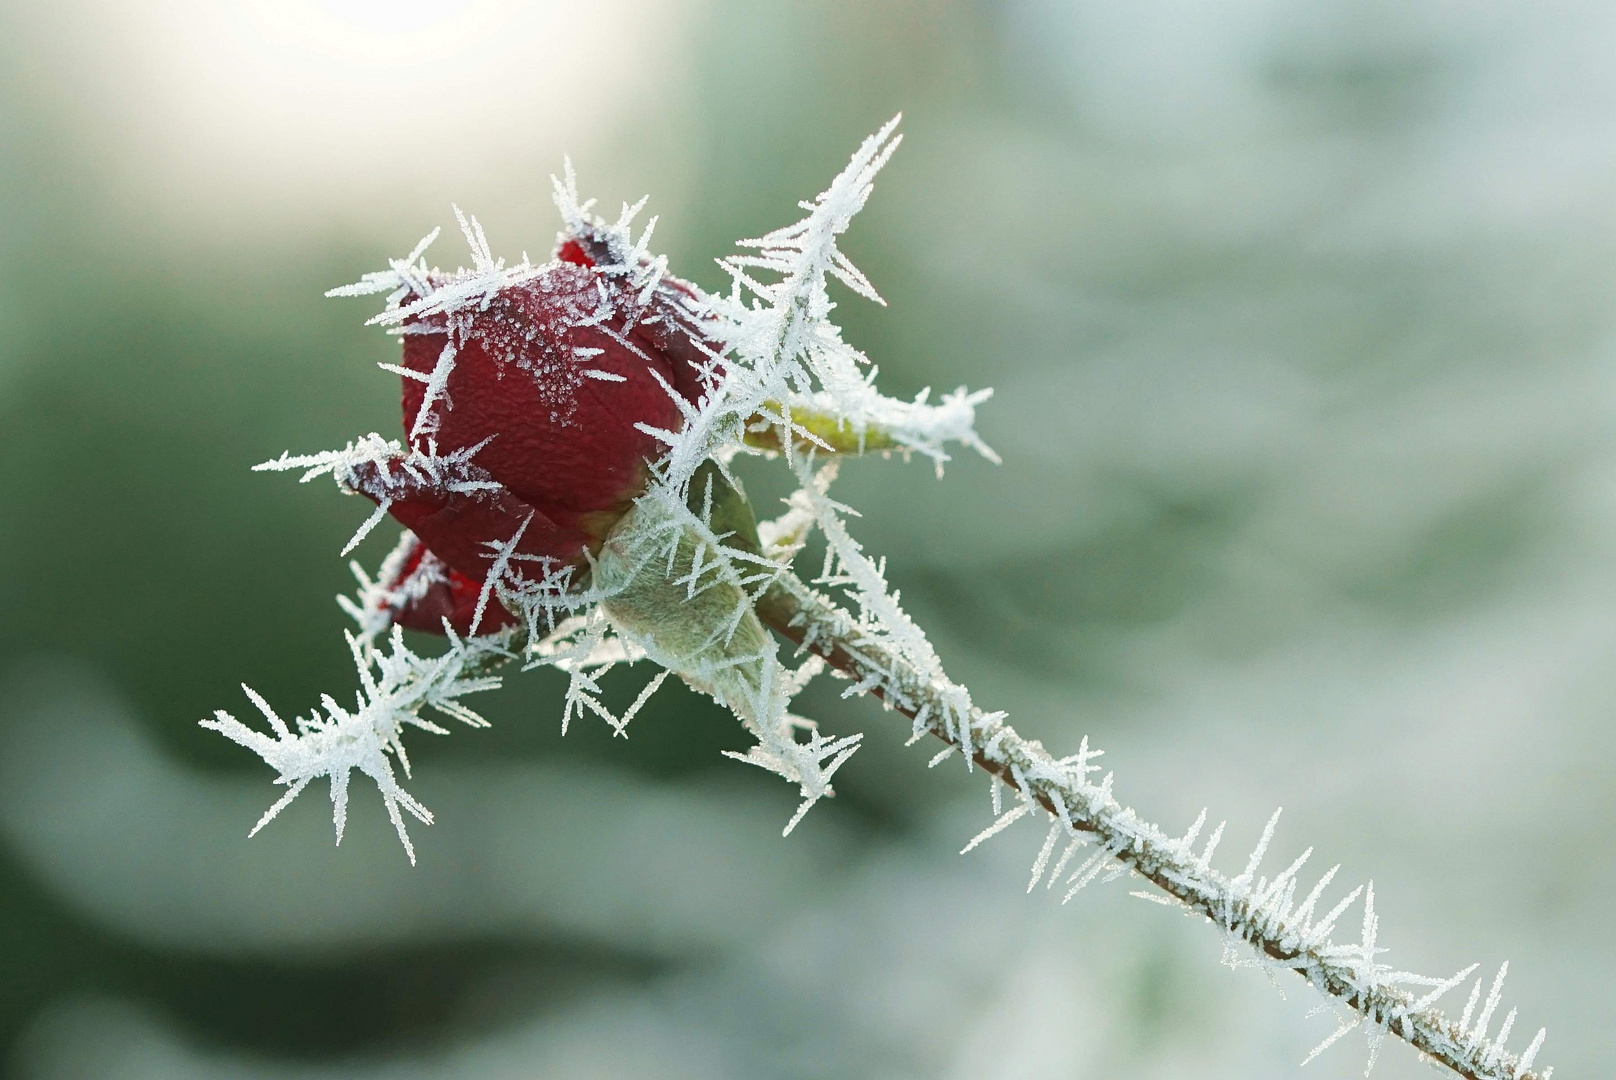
[1188, 839]
[1092, 867]
[382, 469]
[502, 562]
[1442, 988]
[1257, 853]
[1503, 1037]
[416, 291]
[335, 744]
[1368, 972]
[1328, 1042]
[408, 274]
[1066, 857]
[1470, 1007]
[1321, 930]
[482, 258]
[370, 523]
[1211, 846]
[1157, 898]
[1305, 912]
[1531, 1051]
[373, 606]
[1044, 854]
[436, 383]
[1479, 1035]
[1010, 817]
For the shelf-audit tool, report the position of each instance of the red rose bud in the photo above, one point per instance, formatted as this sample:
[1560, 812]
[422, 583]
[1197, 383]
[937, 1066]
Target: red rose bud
[534, 394]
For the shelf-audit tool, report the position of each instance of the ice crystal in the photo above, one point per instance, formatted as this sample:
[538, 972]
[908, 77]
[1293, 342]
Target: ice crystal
[333, 741]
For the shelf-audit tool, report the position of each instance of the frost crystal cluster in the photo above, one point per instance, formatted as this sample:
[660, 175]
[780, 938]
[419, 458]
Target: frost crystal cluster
[565, 487]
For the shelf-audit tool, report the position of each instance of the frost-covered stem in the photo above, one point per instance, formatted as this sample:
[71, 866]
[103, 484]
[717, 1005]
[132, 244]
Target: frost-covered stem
[1243, 908]
[678, 578]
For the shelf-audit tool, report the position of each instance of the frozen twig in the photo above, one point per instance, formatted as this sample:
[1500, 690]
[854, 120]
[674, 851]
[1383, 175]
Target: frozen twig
[687, 579]
[1258, 911]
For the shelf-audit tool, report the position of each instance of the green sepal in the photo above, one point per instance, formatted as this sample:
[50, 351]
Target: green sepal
[731, 515]
[825, 434]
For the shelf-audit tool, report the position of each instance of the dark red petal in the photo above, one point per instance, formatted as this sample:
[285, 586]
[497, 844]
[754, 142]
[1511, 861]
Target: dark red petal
[573, 252]
[457, 528]
[448, 594]
[455, 600]
[565, 442]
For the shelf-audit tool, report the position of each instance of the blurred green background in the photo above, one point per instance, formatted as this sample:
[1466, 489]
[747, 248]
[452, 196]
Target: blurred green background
[1300, 319]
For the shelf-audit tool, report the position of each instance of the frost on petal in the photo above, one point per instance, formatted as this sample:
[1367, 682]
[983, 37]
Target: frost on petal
[385, 471]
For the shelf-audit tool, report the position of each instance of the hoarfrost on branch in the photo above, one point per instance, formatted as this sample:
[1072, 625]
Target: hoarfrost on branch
[781, 380]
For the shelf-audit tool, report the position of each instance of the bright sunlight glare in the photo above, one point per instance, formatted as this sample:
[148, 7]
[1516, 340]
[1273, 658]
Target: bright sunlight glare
[266, 114]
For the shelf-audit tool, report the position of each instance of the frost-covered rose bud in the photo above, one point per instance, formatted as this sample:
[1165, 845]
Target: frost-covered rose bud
[552, 380]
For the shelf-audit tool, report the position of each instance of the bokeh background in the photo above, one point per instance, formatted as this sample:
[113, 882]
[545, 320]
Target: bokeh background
[1300, 317]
